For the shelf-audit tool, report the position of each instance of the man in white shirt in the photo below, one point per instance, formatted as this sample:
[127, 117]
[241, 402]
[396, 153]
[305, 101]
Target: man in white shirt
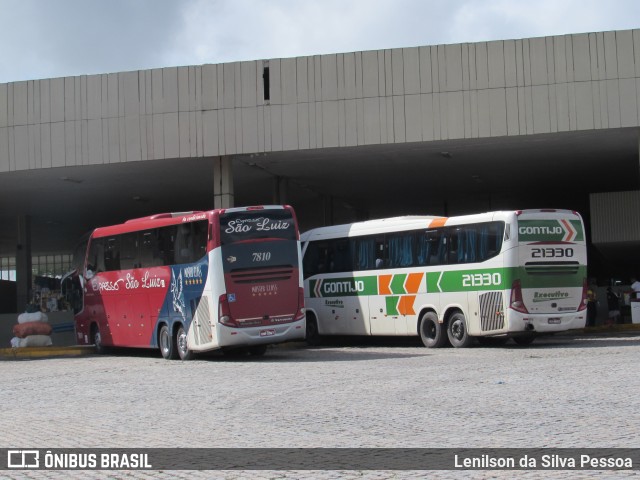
[635, 286]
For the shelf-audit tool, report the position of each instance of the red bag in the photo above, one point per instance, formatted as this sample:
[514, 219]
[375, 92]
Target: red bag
[23, 330]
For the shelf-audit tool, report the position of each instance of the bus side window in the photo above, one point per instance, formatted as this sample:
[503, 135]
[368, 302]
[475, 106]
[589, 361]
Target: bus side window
[430, 248]
[400, 248]
[150, 255]
[165, 240]
[381, 253]
[129, 251]
[183, 246]
[340, 257]
[95, 257]
[491, 235]
[200, 234]
[112, 254]
[365, 253]
[314, 260]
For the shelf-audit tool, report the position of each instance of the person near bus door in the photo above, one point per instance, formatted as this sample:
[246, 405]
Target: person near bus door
[635, 287]
[592, 306]
[613, 303]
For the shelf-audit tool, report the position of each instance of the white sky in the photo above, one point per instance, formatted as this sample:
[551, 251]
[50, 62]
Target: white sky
[55, 38]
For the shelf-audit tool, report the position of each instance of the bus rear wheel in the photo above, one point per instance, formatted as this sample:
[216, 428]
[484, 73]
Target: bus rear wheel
[167, 344]
[431, 332]
[457, 331]
[183, 348]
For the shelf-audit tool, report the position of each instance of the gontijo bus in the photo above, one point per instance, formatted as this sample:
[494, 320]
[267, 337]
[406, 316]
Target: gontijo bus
[489, 276]
[191, 282]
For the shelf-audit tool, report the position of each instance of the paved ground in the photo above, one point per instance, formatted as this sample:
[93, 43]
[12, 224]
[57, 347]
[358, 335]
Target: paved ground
[561, 391]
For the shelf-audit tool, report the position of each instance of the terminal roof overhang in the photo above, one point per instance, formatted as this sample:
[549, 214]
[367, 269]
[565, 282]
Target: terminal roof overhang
[549, 170]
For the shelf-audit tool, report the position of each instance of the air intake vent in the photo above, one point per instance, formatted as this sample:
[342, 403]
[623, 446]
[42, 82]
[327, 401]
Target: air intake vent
[491, 311]
[203, 324]
[552, 268]
[262, 275]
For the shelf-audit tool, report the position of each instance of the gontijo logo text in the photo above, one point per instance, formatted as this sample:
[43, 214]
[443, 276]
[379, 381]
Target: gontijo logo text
[550, 231]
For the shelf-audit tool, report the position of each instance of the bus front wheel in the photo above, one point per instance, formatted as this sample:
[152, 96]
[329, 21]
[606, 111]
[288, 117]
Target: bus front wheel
[167, 345]
[457, 331]
[312, 334]
[432, 333]
[183, 348]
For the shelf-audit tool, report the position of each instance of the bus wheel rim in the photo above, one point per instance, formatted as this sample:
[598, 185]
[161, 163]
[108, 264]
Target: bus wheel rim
[164, 342]
[430, 330]
[182, 342]
[457, 329]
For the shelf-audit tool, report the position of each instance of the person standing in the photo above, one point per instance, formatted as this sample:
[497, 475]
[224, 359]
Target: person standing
[635, 287]
[613, 304]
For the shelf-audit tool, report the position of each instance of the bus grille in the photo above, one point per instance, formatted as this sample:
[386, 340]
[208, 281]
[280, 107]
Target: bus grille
[491, 311]
[203, 325]
[551, 268]
[261, 275]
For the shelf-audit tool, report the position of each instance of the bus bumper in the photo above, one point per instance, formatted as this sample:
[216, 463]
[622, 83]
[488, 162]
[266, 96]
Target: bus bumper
[228, 336]
[545, 323]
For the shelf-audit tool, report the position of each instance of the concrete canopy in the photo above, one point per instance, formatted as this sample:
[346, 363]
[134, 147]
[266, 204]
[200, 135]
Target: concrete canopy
[446, 177]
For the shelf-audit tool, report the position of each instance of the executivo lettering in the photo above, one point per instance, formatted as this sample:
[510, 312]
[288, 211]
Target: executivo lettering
[550, 296]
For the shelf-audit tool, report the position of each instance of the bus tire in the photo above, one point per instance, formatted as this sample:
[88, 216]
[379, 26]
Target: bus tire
[167, 344]
[432, 333]
[457, 331]
[96, 339]
[312, 335]
[524, 340]
[182, 346]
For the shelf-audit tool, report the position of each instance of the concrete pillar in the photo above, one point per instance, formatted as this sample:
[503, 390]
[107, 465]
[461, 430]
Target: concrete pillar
[222, 183]
[280, 190]
[23, 263]
[327, 204]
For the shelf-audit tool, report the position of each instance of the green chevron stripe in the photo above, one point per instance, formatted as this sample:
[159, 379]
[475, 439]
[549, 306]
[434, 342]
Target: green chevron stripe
[397, 284]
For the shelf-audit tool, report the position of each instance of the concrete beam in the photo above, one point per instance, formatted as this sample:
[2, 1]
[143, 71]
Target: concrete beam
[223, 183]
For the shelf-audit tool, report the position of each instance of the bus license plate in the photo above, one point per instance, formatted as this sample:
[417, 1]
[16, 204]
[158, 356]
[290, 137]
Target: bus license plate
[555, 321]
[267, 333]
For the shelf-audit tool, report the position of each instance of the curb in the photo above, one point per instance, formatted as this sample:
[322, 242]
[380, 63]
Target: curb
[44, 352]
[629, 327]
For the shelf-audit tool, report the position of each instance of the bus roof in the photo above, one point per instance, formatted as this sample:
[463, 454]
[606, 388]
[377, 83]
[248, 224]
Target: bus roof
[411, 222]
[164, 219]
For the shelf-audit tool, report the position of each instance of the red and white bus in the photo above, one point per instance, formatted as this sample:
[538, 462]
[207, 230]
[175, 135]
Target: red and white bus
[192, 282]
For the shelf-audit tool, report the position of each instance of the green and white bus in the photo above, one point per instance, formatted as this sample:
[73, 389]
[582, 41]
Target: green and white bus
[490, 276]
